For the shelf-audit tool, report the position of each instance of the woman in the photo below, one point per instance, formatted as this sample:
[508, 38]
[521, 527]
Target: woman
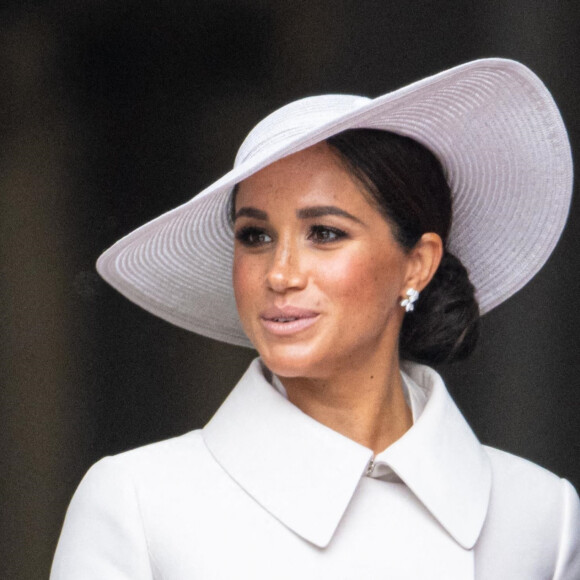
[331, 458]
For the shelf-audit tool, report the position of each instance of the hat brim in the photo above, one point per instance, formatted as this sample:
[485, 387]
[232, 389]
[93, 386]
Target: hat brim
[492, 124]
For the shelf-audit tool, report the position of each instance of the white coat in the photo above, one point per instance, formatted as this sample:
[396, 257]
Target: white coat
[266, 492]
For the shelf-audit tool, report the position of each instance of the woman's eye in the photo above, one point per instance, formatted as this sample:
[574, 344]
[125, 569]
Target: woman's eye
[252, 236]
[325, 234]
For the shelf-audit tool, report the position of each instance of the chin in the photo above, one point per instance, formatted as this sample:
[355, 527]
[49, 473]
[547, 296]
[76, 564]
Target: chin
[292, 360]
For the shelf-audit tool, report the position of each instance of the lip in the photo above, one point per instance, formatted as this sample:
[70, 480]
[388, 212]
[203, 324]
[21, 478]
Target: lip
[288, 320]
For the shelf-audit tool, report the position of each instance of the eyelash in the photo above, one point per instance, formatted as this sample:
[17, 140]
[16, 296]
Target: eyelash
[248, 236]
[322, 233]
[254, 237]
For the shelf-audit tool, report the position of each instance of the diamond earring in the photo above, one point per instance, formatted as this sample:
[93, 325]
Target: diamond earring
[408, 303]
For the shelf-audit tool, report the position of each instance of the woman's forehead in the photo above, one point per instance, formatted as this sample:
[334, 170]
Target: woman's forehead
[310, 174]
[310, 177]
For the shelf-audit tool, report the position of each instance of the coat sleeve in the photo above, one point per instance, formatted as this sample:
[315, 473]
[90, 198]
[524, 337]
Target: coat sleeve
[103, 534]
[568, 563]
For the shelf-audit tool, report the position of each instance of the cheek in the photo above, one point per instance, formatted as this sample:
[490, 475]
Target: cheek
[244, 277]
[366, 285]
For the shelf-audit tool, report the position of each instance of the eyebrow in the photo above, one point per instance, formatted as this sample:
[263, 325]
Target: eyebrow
[323, 210]
[304, 213]
[251, 212]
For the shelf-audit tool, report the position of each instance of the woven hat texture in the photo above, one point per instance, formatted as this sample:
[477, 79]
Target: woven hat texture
[493, 125]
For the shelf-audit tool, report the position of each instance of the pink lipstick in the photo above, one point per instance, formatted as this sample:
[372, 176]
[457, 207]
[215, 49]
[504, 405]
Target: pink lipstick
[287, 320]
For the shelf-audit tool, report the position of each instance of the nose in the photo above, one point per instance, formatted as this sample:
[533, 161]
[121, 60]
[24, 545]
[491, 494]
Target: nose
[286, 271]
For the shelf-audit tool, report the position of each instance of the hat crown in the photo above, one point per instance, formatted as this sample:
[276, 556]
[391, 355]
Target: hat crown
[288, 123]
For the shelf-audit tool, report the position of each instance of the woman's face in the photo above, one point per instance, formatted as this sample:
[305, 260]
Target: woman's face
[318, 275]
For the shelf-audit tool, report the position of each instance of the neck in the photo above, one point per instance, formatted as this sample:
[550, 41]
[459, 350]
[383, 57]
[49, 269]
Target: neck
[366, 405]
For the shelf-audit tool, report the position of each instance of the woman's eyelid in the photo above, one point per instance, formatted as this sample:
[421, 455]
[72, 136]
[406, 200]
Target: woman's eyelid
[327, 233]
[248, 234]
[326, 227]
[334, 222]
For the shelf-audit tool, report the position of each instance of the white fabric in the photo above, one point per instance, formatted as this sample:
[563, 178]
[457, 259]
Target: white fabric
[416, 399]
[264, 491]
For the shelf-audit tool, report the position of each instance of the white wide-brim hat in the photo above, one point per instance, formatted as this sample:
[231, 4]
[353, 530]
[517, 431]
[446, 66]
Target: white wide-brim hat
[493, 125]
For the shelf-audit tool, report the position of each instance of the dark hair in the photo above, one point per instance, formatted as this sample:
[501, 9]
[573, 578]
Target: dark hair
[407, 183]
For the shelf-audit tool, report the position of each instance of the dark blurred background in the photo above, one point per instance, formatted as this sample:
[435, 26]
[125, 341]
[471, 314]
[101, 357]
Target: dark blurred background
[112, 112]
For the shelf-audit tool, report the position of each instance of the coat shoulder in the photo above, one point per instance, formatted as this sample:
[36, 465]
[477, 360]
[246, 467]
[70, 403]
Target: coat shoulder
[524, 494]
[513, 474]
[533, 519]
[166, 454]
[181, 465]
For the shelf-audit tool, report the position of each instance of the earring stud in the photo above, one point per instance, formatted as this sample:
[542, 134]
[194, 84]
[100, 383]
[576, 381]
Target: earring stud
[412, 297]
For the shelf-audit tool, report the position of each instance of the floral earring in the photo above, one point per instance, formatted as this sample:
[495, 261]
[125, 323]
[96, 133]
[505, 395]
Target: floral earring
[412, 297]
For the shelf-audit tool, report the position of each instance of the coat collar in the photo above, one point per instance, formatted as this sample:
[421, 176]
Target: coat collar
[305, 474]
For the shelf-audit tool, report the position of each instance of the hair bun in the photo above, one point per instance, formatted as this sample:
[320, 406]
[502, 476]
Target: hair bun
[444, 327]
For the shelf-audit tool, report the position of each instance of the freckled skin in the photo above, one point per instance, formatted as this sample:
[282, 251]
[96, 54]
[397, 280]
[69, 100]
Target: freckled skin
[354, 283]
[342, 369]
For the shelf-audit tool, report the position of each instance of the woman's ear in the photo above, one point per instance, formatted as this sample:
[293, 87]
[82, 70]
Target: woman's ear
[424, 259]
